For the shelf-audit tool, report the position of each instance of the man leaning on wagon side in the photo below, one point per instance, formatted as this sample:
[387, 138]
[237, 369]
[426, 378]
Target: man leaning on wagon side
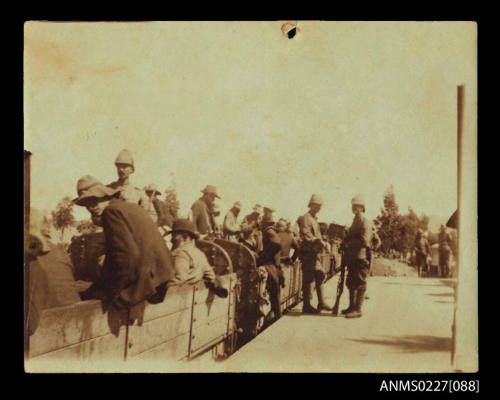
[138, 264]
[190, 263]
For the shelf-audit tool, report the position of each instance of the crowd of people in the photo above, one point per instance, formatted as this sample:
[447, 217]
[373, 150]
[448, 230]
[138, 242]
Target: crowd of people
[147, 249]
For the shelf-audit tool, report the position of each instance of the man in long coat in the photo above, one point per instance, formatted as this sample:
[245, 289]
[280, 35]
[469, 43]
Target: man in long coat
[138, 264]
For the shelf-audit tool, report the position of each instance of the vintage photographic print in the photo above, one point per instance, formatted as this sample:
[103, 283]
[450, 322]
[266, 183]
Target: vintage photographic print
[250, 196]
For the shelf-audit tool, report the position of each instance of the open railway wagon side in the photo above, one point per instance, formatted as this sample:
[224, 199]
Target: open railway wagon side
[190, 321]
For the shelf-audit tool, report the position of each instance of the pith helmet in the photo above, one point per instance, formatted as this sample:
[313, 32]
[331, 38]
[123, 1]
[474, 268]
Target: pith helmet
[237, 205]
[316, 199]
[268, 210]
[88, 186]
[358, 200]
[124, 157]
[211, 190]
[184, 225]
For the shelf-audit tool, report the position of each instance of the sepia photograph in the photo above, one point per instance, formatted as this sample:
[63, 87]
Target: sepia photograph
[250, 196]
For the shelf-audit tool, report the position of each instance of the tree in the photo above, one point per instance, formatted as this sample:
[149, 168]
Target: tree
[409, 227]
[62, 217]
[389, 223]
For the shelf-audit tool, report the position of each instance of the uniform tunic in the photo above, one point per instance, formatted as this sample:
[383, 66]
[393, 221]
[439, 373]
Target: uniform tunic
[129, 193]
[191, 265]
[357, 242]
[309, 233]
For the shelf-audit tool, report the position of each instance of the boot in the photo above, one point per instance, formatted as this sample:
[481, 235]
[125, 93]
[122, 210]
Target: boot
[352, 301]
[321, 299]
[307, 308]
[360, 297]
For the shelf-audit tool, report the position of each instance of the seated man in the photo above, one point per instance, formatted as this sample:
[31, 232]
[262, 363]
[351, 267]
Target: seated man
[190, 263]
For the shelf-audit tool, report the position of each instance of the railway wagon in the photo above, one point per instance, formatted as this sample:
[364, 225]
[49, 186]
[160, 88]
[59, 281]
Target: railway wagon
[190, 321]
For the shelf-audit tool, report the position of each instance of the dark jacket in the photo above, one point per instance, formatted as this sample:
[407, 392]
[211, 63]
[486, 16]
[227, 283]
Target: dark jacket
[164, 215]
[271, 247]
[138, 264]
[358, 238]
[201, 217]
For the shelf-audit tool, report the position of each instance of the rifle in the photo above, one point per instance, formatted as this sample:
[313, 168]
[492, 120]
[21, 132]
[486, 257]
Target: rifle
[340, 285]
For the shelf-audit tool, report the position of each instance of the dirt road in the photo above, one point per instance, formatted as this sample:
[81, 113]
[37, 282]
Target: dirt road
[406, 327]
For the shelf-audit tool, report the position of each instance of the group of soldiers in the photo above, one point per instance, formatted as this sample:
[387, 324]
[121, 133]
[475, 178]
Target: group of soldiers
[139, 264]
[423, 254]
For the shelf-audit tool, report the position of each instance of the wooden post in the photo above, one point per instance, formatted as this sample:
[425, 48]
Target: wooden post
[27, 206]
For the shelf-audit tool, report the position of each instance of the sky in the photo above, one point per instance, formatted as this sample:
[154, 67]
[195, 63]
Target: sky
[343, 108]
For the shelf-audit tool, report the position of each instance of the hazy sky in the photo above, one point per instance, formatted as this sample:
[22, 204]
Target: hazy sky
[340, 109]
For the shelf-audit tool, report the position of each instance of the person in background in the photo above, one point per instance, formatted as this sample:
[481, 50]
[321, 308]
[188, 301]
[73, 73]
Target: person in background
[250, 228]
[125, 167]
[422, 251]
[201, 211]
[287, 243]
[270, 258]
[231, 227]
[148, 204]
[190, 263]
[444, 241]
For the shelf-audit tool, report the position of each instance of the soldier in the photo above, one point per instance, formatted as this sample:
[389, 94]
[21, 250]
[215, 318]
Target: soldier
[201, 211]
[250, 228]
[125, 167]
[356, 250]
[231, 228]
[165, 217]
[137, 263]
[190, 263]
[214, 221]
[287, 242]
[148, 203]
[312, 244]
[270, 259]
[422, 251]
[444, 241]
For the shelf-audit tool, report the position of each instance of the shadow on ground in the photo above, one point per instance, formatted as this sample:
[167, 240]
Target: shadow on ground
[412, 343]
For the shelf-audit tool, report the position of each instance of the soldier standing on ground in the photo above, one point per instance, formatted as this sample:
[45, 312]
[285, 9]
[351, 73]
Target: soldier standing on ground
[125, 167]
[231, 228]
[444, 241]
[201, 211]
[311, 246]
[422, 251]
[356, 248]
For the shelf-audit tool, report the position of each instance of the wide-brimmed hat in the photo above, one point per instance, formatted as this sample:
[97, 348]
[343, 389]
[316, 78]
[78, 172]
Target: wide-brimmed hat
[237, 205]
[210, 190]
[268, 209]
[316, 199]
[88, 186]
[124, 157]
[258, 208]
[184, 225]
[152, 188]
